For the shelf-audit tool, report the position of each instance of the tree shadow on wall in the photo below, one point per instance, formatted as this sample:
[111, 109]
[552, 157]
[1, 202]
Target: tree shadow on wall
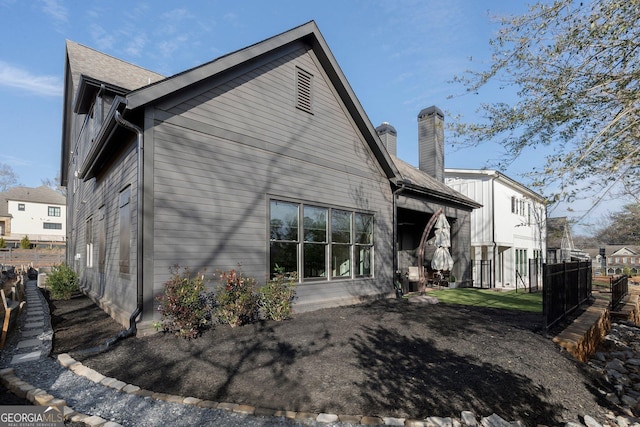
[409, 377]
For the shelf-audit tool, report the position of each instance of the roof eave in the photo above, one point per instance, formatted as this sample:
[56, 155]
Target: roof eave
[98, 151]
[472, 204]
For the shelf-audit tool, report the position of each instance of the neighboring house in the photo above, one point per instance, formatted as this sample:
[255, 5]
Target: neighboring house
[262, 157]
[560, 246]
[613, 260]
[38, 213]
[508, 231]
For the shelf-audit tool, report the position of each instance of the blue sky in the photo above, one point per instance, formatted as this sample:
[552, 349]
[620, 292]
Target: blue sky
[398, 56]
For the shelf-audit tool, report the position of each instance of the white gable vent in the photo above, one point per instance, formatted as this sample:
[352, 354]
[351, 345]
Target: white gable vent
[304, 81]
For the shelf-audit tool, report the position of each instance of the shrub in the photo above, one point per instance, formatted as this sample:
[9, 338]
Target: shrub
[25, 243]
[3, 243]
[277, 295]
[62, 281]
[184, 310]
[237, 299]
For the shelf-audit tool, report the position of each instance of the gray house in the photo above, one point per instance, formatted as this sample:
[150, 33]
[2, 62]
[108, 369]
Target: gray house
[261, 157]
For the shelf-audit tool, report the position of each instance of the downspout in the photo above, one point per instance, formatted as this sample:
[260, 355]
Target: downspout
[397, 284]
[139, 232]
[493, 228]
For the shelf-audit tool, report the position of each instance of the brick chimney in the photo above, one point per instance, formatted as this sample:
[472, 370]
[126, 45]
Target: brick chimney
[431, 142]
[389, 136]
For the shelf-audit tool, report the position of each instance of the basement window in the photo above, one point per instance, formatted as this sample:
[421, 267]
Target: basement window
[304, 92]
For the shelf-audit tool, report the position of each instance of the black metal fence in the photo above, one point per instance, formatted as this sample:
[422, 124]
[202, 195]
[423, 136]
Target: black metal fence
[535, 274]
[482, 274]
[619, 288]
[565, 287]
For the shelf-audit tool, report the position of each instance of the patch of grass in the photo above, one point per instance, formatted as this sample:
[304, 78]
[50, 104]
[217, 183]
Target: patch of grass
[511, 300]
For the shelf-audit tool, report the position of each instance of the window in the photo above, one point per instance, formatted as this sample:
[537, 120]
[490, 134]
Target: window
[125, 229]
[53, 211]
[102, 241]
[364, 244]
[340, 243]
[89, 241]
[320, 242]
[304, 92]
[284, 236]
[521, 261]
[21, 206]
[315, 242]
[52, 226]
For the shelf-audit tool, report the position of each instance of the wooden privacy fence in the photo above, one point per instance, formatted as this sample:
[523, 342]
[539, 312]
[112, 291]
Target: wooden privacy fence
[565, 287]
[37, 257]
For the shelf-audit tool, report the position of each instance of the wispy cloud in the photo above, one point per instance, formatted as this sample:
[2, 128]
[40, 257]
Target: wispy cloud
[103, 40]
[136, 45]
[12, 76]
[56, 11]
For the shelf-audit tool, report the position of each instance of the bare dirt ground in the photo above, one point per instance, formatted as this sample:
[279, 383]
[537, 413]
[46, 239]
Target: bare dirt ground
[387, 358]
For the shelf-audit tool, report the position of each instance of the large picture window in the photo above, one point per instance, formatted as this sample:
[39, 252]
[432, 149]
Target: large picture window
[320, 242]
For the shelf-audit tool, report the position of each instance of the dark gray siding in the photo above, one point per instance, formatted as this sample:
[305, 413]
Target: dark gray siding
[460, 232]
[113, 291]
[220, 155]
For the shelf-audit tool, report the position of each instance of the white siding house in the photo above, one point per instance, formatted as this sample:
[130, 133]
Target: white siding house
[508, 231]
[38, 213]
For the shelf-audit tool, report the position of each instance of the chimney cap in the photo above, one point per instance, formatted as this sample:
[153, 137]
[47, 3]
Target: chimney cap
[429, 111]
[385, 127]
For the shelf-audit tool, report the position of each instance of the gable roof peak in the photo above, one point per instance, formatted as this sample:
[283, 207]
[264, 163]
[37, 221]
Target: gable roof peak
[88, 62]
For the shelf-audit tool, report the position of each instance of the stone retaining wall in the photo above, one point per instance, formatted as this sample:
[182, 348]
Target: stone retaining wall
[582, 338]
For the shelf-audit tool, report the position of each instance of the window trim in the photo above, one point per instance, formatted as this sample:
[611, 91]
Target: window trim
[88, 232]
[52, 226]
[124, 213]
[55, 211]
[328, 244]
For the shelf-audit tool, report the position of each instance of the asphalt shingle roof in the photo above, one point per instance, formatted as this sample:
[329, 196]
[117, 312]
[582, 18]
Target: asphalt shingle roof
[100, 66]
[426, 181]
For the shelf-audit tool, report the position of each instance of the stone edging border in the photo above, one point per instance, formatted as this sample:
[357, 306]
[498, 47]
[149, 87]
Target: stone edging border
[38, 396]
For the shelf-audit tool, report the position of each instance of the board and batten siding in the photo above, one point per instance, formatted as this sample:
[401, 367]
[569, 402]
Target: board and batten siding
[113, 291]
[480, 190]
[222, 154]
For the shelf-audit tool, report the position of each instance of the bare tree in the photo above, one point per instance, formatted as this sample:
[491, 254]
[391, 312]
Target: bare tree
[54, 184]
[623, 227]
[576, 66]
[8, 177]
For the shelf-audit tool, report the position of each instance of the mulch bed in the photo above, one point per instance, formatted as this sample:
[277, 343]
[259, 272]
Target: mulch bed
[388, 358]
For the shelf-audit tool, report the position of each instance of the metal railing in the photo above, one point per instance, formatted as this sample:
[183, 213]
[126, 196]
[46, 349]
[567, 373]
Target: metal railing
[619, 288]
[482, 273]
[535, 274]
[565, 287]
